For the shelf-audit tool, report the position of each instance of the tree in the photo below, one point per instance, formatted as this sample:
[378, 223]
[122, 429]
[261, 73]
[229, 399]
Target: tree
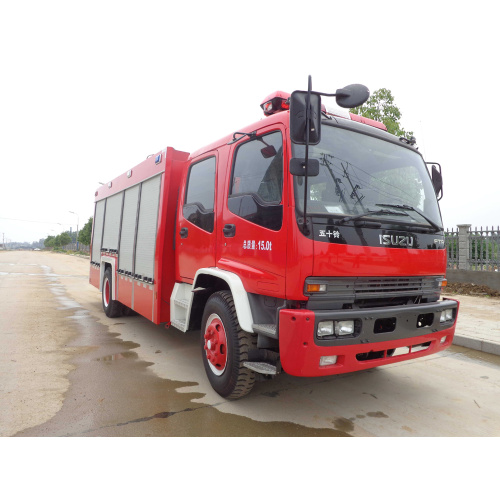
[86, 233]
[49, 242]
[64, 239]
[380, 106]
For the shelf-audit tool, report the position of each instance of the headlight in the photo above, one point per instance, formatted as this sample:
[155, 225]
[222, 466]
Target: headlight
[338, 328]
[325, 329]
[446, 315]
[344, 327]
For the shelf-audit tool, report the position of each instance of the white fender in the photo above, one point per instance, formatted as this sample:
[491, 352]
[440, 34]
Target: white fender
[240, 295]
[108, 260]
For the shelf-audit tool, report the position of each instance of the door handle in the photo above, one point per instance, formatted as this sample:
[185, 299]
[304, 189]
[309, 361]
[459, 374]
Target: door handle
[184, 232]
[229, 230]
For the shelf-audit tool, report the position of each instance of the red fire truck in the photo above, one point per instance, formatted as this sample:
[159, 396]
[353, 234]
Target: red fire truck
[310, 242]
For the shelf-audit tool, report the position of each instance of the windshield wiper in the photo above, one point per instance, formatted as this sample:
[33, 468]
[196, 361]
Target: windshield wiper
[371, 212]
[413, 209]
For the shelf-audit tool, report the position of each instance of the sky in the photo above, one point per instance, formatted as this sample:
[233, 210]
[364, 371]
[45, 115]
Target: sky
[90, 89]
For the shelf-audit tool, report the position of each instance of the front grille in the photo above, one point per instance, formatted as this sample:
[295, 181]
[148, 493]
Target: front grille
[368, 288]
[376, 287]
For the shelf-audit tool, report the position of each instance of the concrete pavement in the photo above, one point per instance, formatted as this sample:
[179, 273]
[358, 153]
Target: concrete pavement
[68, 370]
[478, 325]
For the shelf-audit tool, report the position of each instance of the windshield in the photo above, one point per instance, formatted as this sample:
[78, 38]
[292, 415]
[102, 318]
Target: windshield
[363, 174]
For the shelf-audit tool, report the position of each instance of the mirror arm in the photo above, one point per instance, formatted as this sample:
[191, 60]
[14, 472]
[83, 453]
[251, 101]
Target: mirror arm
[340, 92]
[252, 135]
[305, 228]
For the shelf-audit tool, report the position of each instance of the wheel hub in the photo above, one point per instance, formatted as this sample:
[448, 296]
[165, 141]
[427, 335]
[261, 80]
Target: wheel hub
[106, 292]
[216, 344]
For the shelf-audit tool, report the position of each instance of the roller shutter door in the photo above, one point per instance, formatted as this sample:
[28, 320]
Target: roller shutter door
[126, 254]
[146, 231]
[112, 222]
[97, 237]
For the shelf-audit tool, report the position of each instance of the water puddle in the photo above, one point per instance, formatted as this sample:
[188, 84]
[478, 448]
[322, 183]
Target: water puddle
[119, 356]
[114, 393]
[377, 414]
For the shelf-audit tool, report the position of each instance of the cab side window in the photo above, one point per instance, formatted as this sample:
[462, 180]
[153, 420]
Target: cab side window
[257, 181]
[200, 195]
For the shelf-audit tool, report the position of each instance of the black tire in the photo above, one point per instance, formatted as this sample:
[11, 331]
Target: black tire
[126, 311]
[112, 308]
[223, 361]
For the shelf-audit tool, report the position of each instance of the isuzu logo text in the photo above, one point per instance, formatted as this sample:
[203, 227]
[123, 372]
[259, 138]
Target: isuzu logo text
[396, 240]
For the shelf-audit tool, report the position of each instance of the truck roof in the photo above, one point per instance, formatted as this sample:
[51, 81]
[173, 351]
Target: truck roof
[268, 120]
[354, 122]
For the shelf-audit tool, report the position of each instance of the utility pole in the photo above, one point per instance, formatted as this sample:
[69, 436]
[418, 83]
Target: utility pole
[77, 224]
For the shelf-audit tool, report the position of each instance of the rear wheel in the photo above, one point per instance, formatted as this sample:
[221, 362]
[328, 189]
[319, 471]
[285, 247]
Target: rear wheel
[112, 308]
[225, 348]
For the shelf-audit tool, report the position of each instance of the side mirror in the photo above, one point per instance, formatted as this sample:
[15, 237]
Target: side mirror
[352, 96]
[298, 124]
[268, 152]
[298, 167]
[437, 180]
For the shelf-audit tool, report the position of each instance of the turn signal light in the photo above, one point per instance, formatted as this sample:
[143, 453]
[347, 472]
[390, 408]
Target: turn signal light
[315, 287]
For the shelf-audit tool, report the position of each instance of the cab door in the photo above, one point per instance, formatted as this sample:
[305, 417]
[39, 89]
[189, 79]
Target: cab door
[195, 229]
[253, 229]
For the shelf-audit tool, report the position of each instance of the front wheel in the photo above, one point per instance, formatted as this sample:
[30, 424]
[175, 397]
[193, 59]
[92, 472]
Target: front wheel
[225, 348]
[112, 308]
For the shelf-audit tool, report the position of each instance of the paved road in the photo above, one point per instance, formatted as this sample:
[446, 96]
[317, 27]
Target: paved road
[68, 370]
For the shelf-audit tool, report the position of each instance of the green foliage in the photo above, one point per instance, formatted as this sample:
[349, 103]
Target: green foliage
[57, 241]
[380, 106]
[49, 242]
[64, 239]
[86, 233]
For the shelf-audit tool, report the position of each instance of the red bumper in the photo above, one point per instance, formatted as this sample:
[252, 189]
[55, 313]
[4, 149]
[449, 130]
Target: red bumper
[300, 354]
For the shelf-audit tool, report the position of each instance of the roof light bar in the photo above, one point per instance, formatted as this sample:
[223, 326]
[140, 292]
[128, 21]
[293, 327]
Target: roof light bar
[276, 102]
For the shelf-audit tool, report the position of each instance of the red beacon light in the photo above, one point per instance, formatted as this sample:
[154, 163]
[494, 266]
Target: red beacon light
[275, 102]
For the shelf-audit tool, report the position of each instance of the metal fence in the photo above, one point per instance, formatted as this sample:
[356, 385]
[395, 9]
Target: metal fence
[451, 242]
[473, 249]
[81, 248]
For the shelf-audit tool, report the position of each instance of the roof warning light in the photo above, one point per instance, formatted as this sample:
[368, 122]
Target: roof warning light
[276, 102]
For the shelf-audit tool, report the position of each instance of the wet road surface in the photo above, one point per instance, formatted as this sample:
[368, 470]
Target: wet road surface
[68, 370]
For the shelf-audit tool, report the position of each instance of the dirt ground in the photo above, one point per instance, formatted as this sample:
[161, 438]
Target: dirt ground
[471, 289]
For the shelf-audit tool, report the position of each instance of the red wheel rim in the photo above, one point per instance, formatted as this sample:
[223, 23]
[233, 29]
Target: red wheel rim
[215, 344]
[106, 292]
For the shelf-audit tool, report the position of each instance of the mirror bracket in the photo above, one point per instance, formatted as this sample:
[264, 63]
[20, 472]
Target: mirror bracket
[298, 167]
[252, 135]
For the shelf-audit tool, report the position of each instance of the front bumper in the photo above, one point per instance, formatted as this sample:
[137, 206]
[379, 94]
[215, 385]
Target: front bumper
[301, 349]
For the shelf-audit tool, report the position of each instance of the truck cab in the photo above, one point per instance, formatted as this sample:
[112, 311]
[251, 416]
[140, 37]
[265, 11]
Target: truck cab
[354, 284]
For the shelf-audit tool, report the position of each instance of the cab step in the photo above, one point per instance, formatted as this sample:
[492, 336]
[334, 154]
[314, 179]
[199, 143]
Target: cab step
[179, 324]
[260, 367]
[265, 329]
